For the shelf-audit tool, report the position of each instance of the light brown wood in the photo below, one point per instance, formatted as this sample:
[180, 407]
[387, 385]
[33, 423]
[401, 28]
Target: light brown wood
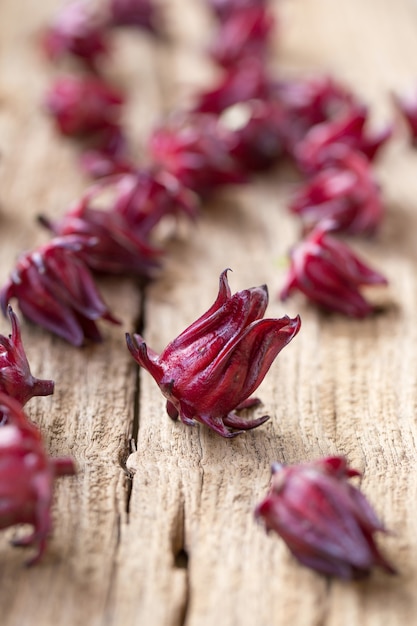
[177, 544]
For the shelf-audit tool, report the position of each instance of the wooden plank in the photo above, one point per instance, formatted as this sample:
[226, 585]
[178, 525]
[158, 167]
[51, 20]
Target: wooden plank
[90, 415]
[188, 551]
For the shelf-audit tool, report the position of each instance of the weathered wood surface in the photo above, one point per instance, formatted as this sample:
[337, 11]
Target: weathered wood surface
[178, 545]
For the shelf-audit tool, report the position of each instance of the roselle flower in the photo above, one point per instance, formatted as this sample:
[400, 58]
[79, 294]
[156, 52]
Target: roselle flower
[142, 14]
[240, 83]
[330, 274]
[348, 129]
[325, 521]
[16, 379]
[55, 289]
[118, 249]
[212, 368]
[135, 204]
[311, 101]
[77, 30]
[82, 105]
[243, 36]
[343, 193]
[195, 149]
[27, 475]
[145, 197]
[258, 128]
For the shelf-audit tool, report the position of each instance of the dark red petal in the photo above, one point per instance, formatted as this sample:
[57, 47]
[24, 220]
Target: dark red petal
[144, 356]
[239, 368]
[205, 337]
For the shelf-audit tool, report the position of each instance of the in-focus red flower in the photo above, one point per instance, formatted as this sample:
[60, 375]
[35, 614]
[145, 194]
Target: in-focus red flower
[196, 149]
[83, 105]
[27, 477]
[213, 367]
[56, 290]
[342, 193]
[77, 30]
[246, 81]
[348, 129]
[225, 8]
[326, 522]
[243, 36]
[142, 14]
[16, 379]
[329, 273]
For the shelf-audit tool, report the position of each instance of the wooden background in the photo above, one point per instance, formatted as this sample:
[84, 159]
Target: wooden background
[177, 544]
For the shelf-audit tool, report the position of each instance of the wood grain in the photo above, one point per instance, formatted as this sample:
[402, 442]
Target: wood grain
[165, 536]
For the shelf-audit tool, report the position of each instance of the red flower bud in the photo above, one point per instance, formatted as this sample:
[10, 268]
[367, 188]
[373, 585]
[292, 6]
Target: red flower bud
[118, 248]
[328, 272]
[348, 129]
[309, 102]
[212, 368]
[77, 31]
[27, 476]
[326, 522]
[84, 105]
[258, 133]
[343, 192]
[122, 231]
[195, 149]
[246, 81]
[56, 290]
[16, 379]
[145, 197]
[243, 36]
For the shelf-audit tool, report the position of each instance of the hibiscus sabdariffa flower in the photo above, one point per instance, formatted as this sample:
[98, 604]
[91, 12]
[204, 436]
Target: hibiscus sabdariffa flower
[212, 368]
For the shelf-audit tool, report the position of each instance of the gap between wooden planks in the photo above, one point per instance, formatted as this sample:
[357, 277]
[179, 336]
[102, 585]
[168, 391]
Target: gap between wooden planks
[188, 551]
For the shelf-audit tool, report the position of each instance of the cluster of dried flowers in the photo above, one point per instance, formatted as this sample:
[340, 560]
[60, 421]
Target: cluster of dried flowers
[321, 126]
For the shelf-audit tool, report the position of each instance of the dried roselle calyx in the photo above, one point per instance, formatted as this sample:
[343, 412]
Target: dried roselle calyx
[121, 213]
[246, 81]
[212, 368]
[311, 101]
[145, 197]
[118, 249]
[27, 475]
[84, 105]
[326, 522]
[348, 129]
[330, 274]
[77, 30]
[244, 35]
[196, 149]
[343, 193]
[258, 129]
[16, 379]
[55, 289]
